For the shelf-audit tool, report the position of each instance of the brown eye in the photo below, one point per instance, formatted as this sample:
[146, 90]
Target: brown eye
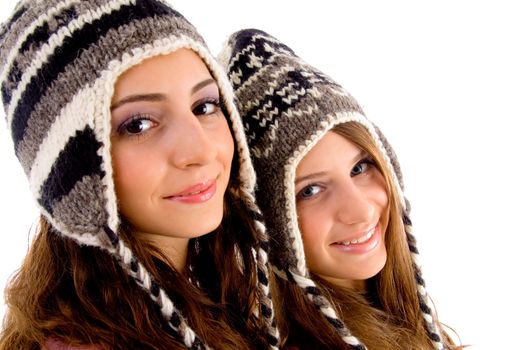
[136, 126]
[206, 107]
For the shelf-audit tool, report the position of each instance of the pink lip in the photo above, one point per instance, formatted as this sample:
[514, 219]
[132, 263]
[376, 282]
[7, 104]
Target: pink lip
[198, 193]
[360, 248]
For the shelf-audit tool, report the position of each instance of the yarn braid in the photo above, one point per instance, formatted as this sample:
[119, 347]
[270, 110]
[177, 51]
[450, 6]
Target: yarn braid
[261, 259]
[316, 296]
[423, 297]
[143, 278]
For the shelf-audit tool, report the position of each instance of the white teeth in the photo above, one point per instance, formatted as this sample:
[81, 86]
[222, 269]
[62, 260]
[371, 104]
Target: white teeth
[191, 193]
[362, 239]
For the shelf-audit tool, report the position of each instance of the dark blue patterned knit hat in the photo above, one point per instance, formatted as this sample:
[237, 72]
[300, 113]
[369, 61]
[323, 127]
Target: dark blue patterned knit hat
[287, 106]
[59, 61]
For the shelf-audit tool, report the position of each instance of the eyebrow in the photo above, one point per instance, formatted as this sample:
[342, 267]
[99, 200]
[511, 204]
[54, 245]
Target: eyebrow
[355, 159]
[202, 84]
[310, 176]
[139, 97]
[156, 97]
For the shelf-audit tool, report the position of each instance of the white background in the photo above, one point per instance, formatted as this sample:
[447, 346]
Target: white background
[446, 81]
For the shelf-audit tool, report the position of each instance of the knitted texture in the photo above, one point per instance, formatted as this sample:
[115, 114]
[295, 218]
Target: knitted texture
[59, 61]
[287, 106]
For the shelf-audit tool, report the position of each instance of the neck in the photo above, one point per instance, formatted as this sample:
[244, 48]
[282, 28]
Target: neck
[174, 248]
[356, 285]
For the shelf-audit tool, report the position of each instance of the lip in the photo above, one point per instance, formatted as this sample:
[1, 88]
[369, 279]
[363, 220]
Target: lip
[360, 248]
[197, 193]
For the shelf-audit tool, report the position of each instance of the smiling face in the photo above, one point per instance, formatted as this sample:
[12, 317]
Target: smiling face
[342, 206]
[172, 149]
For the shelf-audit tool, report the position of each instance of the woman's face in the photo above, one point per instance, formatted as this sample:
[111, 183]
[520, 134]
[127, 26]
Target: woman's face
[342, 206]
[172, 148]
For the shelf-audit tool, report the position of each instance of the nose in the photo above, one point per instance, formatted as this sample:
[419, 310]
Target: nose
[189, 144]
[354, 206]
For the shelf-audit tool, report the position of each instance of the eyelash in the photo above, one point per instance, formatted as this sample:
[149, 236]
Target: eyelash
[212, 100]
[368, 161]
[300, 196]
[138, 117]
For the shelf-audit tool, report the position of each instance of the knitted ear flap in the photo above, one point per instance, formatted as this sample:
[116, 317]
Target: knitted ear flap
[59, 61]
[287, 106]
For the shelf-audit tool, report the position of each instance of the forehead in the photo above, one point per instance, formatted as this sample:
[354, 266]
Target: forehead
[163, 72]
[331, 150]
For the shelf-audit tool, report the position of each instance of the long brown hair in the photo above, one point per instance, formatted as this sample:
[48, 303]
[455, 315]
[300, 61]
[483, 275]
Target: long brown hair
[387, 315]
[80, 295]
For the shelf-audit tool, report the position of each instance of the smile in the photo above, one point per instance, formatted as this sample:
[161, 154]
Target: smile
[362, 239]
[359, 240]
[367, 242]
[195, 194]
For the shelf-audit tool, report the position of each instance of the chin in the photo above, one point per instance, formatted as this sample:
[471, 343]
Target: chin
[374, 268]
[365, 270]
[206, 226]
[365, 275]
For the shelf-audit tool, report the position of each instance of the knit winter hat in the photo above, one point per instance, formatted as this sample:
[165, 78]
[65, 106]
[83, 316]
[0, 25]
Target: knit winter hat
[59, 61]
[287, 106]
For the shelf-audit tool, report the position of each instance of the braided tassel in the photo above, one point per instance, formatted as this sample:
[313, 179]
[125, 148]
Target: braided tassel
[320, 301]
[425, 302]
[143, 278]
[267, 308]
[261, 258]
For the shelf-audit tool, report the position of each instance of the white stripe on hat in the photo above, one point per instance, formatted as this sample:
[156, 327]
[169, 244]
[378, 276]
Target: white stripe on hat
[56, 40]
[75, 116]
[4, 71]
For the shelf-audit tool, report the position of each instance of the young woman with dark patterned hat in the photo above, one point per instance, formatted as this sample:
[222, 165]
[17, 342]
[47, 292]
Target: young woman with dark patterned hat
[331, 192]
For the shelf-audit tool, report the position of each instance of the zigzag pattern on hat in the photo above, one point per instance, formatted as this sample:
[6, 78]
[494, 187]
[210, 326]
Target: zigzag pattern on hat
[60, 60]
[287, 106]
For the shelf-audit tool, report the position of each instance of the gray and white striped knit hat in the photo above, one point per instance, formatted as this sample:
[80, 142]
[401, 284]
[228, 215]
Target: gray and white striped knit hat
[287, 106]
[59, 61]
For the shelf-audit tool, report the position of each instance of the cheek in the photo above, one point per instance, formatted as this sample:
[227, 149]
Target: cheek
[314, 226]
[229, 147]
[132, 173]
[225, 144]
[379, 192]
[381, 199]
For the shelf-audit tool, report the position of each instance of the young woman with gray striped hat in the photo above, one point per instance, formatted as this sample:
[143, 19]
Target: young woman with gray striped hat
[331, 192]
[149, 236]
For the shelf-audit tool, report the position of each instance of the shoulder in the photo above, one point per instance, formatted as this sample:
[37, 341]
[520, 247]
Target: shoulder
[53, 344]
